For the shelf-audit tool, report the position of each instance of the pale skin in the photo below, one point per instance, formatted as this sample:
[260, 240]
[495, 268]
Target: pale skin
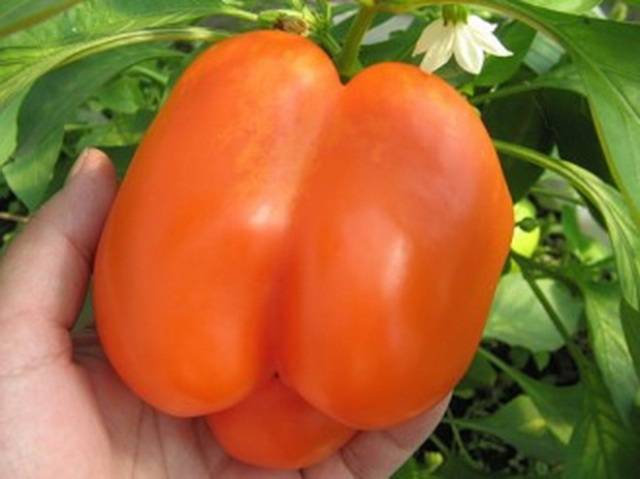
[64, 413]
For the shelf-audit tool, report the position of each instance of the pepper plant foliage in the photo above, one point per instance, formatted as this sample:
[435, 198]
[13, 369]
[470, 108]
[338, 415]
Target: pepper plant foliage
[554, 389]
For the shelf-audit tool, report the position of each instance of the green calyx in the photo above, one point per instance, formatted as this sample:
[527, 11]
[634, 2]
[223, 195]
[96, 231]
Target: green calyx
[452, 14]
[299, 21]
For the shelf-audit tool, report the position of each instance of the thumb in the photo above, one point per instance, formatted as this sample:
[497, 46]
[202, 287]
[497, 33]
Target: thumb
[44, 274]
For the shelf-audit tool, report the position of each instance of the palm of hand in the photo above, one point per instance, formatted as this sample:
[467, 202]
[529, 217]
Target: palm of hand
[63, 410]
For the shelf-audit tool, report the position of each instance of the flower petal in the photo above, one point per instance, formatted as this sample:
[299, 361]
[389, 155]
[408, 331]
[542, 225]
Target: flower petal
[478, 23]
[489, 43]
[440, 52]
[430, 35]
[468, 54]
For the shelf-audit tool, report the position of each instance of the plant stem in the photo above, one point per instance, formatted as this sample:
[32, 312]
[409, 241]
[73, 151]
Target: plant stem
[555, 195]
[234, 12]
[515, 374]
[553, 315]
[347, 62]
[493, 359]
[458, 439]
[609, 261]
[442, 447]
[330, 43]
[575, 352]
[6, 216]
[536, 158]
[151, 74]
[82, 126]
[503, 92]
[142, 36]
[546, 271]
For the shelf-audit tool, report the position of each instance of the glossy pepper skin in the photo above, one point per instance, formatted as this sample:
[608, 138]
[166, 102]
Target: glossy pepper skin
[281, 238]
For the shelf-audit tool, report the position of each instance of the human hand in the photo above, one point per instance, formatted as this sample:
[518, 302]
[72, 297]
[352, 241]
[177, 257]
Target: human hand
[64, 413]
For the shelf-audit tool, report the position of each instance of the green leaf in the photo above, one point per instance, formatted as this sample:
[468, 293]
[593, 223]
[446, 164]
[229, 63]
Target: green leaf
[575, 6]
[409, 470]
[9, 126]
[123, 95]
[630, 317]
[587, 249]
[610, 71]
[544, 54]
[19, 14]
[94, 26]
[557, 405]
[609, 347]
[479, 375]
[49, 104]
[520, 424]
[123, 130]
[542, 359]
[518, 319]
[601, 447]
[92, 19]
[573, 131]
[457, 468]
[624, 234]
[565, 77]
[398, 48]
[524, 242]
[518, 119]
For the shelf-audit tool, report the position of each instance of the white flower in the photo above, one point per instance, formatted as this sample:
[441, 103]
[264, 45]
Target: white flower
[468, 42]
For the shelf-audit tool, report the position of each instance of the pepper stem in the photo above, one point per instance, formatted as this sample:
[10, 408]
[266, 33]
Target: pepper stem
[347, 61]
[454, 14]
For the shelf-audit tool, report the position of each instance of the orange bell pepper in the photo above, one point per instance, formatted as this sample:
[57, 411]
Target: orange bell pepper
[296, 258]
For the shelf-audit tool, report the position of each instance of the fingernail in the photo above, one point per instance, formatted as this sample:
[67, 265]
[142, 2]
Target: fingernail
[82, 159]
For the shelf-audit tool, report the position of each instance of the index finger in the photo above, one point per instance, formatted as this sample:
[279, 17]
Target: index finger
[44, 274]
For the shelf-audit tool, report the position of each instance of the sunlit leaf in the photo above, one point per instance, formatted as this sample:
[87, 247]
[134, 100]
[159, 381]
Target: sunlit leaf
[520, 424]
[518, 319]
[47, 107]
[9, 126]
[559, 406]
[18, 14]
[94, 26]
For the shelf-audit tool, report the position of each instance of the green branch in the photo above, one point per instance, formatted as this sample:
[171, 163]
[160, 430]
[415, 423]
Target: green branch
[575, 352]
[556, 196]
[347, 61]
[229, 11]
[504, 92]
[457, 438]
[143, 36]
[546, 162]
[546, 271]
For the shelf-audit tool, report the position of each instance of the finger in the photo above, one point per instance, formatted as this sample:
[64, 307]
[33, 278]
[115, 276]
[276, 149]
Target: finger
[378, 454]
[44, 274]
